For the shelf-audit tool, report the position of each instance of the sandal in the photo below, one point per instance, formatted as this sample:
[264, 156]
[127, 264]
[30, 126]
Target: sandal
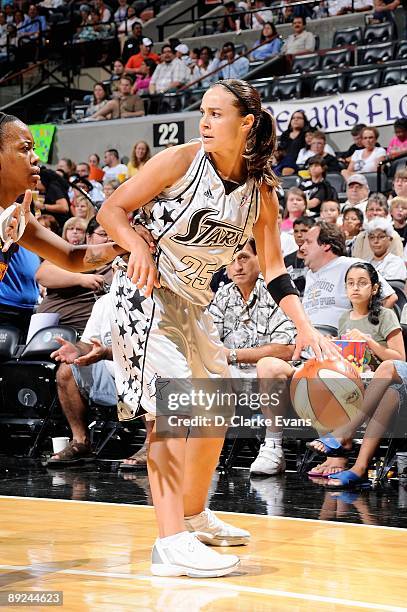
[333, 448]
[74, 453]
[139, 460]
[349, 480]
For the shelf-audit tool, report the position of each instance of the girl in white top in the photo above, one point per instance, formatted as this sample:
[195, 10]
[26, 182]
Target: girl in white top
[366, 159]
[204, 198]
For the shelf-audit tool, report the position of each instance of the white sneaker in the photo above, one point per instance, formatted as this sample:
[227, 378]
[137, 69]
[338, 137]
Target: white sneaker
[270, 460]
[211, 530]
[187, 556]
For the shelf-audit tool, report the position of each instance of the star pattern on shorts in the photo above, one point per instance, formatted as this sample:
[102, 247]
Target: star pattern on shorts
[166, 216]
[136, 300]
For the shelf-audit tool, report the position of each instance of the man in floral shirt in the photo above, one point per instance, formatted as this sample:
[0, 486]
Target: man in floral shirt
[252, 326]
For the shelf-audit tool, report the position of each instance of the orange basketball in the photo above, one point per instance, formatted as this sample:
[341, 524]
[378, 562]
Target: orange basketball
[329, 393]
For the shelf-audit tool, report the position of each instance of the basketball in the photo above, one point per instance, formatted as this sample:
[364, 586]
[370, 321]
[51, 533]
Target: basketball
[329, 393]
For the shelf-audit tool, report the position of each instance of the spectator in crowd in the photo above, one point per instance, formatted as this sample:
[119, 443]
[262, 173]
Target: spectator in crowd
[284, 164]
[72, 294]
[319, 147]
[82, 208]
[293, 138]
[55, 192]
[325, 298]
[19, 20]
[398, 144]
[294, 262]
[182, 53]
[351, 226]
[139, 156]
[35, 24]
[19, 291]
[380, 234]
[126, 26]
[135, 61]
[398, 212]
[109, 187]
[121, 11]
[270, 43]
[317, 189]
[86, 374]
[288, 244]
[133, 43]
[94, 29]
[251, 326]
[233, 20]
[99, 99]
[96, 173]
[356, 133]
[360, 6]
[206, 64]
[113, 169]
[400, 183]
[366, 159]
[357, 192]
[143, 77]
[102, 10]
[170, 74]
[232, 65]
[117, 73]
[384, 9]
[300, 40]
[295, 206]
[261, 16]
[50, 223]
[376, 207]
[67, 166]
[92, 188]
[330, 211]
[124, 105]
[305, 153]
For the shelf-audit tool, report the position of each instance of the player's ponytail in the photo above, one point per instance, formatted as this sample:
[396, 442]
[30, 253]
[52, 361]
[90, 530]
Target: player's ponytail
[261, 141]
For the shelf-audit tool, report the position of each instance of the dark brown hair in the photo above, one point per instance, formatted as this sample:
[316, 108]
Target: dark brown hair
[4, 120]
[261, 141]
[332, 235]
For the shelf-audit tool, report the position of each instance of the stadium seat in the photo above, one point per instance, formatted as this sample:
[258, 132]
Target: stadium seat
[375, 54]
[326, 85]
[394, 75]
[371, 178]
[378, 33]
[305, 63]
[289, 181]
[363, 79]
[401, 50]
[263, 87]
[337, 181]
[398, 287]
[347, 36]
[336, 59]
[285, 89]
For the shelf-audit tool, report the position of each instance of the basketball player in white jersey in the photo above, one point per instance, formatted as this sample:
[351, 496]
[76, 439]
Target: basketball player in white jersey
[205, 199]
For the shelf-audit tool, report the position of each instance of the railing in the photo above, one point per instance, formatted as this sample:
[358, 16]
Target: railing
[204, 20]
[194, 17]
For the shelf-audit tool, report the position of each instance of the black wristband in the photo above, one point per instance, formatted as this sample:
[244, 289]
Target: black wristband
[281, 286]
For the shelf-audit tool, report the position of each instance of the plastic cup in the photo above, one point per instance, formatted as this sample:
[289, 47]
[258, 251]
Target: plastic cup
[58, 444]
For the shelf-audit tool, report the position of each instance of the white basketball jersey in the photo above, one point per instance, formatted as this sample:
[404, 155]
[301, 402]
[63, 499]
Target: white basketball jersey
[198, 228]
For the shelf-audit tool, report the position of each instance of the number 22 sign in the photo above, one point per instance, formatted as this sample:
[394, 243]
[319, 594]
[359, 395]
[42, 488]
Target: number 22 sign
[166, 134]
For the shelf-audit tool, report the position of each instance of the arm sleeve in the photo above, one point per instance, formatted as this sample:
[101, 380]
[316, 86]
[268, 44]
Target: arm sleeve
[388, 322]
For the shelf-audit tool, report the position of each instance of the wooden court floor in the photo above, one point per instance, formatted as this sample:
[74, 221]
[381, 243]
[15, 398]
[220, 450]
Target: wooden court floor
[98, 555]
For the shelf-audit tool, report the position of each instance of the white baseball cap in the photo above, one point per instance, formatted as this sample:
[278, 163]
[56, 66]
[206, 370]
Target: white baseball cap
[184, 49]
[147, 42]
[358, 178]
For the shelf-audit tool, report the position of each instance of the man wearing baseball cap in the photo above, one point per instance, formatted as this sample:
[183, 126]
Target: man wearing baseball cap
[135, 61]
[357, 192]
[182, 53]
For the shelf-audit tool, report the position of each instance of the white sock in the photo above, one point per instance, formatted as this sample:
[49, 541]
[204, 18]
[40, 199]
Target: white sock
[274, 436]
[172, 538]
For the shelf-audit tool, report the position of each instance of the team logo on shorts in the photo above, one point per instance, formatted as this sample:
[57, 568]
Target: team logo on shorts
[205, 229]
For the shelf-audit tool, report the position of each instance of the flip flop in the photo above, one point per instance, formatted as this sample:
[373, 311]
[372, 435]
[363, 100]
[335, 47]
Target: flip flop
[333, 448]
[350, 480]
